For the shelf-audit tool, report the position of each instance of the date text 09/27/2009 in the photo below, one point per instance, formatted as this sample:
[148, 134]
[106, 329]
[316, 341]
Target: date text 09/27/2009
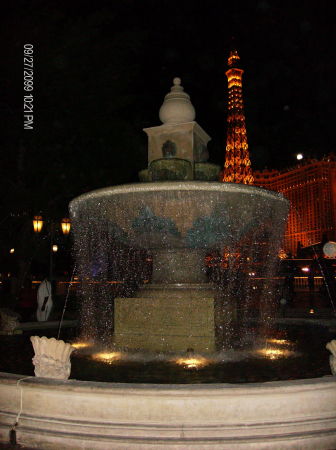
[28, 86]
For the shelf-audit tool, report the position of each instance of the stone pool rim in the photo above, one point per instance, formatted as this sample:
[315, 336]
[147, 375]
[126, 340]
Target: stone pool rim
[81, 414]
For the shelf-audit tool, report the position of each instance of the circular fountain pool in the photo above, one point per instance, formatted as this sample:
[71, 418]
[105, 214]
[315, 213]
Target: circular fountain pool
[218, 396]
[285, 355]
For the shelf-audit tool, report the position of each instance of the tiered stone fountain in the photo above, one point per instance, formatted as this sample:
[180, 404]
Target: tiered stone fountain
[179, 214]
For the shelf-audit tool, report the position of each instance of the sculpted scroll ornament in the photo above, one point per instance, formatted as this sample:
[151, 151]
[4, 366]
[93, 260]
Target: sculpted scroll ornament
[52, 358]
[9, 320]
[331, 346]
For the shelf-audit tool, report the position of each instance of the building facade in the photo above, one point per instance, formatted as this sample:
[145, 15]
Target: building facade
[311, 189]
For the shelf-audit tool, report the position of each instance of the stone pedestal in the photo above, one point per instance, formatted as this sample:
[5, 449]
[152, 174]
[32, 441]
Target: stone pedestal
[189, 140]
[173, 318]
[171, 324]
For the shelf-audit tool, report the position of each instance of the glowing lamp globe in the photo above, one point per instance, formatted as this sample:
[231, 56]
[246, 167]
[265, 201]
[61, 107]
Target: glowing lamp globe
[37, 224]
[66, 226]
[329, 249]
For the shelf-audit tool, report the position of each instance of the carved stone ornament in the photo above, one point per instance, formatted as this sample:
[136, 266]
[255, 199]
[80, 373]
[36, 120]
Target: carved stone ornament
[52, 357]
[331, 346]
[9, 320]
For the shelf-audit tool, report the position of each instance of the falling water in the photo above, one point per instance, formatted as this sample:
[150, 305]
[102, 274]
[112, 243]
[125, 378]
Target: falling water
[120, 230]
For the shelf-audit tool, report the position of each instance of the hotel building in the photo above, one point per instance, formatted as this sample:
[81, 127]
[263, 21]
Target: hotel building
[311, 189]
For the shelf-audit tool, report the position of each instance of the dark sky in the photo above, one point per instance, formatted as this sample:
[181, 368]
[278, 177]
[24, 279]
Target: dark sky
[101, 70]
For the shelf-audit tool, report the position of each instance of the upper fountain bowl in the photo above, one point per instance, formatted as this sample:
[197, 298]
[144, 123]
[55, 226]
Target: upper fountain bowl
[179, 214]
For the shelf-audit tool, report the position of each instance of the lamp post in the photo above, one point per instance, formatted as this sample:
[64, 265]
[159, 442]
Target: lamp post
[64, 225]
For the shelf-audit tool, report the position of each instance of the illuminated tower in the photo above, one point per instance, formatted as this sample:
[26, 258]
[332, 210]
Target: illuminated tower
[237, 168]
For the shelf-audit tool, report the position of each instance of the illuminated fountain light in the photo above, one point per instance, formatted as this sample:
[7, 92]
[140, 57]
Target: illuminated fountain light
[274, 353]
[279, 341]
[107, 357]
[195, 362]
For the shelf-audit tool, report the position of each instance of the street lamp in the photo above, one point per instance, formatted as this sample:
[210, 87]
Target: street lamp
[38, 224]
[65, 226]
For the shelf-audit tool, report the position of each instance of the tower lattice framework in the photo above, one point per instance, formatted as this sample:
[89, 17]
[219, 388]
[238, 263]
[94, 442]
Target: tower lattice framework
[237, 168]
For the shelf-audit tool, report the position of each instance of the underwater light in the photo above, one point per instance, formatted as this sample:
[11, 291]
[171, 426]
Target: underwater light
[192, 363]
[274, 353]
[107, 357]
[279, 341]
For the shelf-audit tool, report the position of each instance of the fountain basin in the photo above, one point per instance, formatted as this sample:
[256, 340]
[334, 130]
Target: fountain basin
[75, 414]
[187, 215]
[178, 222]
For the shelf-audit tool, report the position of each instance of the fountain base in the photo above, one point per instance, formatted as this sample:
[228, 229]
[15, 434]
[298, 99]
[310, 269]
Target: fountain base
[170, 317]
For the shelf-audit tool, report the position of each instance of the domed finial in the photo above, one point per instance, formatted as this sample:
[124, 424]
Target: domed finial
[177, 107]
[177, 87]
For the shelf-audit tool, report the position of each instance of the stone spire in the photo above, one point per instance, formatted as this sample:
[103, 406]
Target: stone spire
[177, 107]
[177, 149]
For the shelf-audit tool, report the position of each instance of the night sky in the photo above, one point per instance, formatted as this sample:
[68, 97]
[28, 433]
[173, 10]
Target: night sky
[102, 69]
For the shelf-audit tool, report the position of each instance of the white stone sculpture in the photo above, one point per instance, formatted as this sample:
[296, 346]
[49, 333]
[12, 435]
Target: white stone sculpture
[9, 321]
[44, 301]
[331, 346]
[52, 357]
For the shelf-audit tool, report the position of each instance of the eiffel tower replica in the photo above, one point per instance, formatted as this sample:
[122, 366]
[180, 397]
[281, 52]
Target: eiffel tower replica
[237, 168]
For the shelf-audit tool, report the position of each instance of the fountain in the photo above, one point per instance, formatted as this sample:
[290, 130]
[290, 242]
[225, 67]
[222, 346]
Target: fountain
[178, 222]
[177, 216]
